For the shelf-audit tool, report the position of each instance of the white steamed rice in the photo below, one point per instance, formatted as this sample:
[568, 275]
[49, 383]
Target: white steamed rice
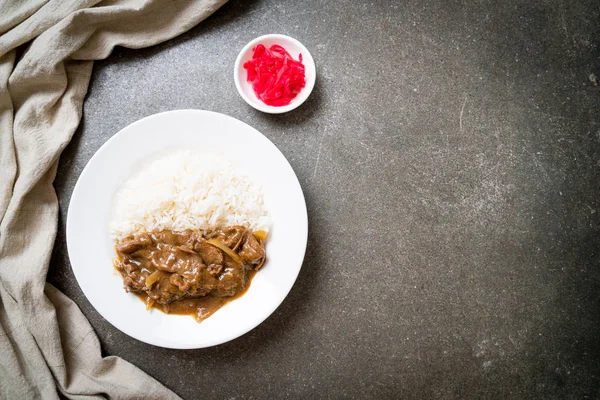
[185, 190]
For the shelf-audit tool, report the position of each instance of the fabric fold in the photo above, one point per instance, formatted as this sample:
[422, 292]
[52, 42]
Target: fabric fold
[47, 346]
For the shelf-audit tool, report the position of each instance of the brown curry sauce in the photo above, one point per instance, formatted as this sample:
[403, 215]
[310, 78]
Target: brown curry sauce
[199, 307]
[190, 272]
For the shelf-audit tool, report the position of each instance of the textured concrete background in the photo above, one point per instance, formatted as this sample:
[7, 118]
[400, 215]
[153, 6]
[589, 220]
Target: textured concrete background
[450, 159]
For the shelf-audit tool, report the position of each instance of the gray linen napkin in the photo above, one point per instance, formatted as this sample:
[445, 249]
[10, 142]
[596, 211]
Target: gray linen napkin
[47, 48]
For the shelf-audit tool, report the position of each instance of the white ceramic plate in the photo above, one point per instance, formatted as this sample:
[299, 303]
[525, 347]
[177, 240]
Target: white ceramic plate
[91, 249]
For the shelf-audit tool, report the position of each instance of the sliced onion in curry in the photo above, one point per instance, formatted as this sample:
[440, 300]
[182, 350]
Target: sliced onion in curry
[149, 303]
[217, 243]
[153, 277]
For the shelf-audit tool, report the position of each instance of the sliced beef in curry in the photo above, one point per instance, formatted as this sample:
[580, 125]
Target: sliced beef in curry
[189, 272]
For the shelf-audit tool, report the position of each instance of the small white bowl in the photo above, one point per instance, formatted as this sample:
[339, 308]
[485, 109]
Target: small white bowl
[295, 48]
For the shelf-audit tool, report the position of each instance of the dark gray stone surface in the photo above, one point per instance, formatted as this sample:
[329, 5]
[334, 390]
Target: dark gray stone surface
[450, 159]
